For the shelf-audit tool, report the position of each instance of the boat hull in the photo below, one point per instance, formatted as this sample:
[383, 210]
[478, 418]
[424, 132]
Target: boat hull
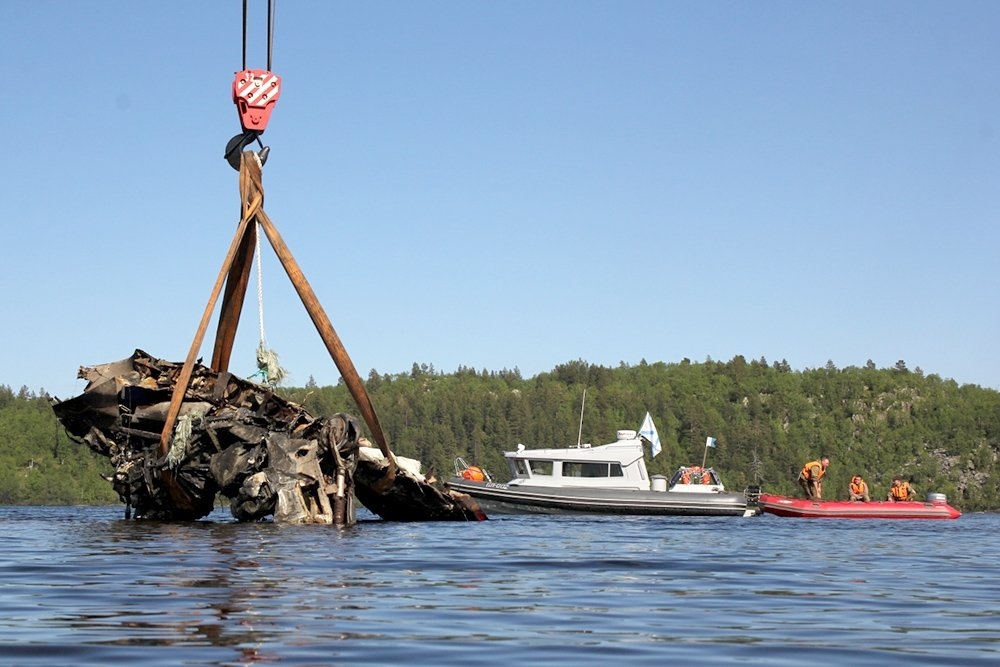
[499, 498]
[840, 509]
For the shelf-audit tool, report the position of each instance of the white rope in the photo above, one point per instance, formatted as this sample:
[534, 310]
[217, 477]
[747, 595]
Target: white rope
[260, 288]
[267, 360]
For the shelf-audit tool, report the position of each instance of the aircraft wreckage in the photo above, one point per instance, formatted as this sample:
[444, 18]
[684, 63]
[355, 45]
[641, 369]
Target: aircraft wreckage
[267, 455]
[180, 434]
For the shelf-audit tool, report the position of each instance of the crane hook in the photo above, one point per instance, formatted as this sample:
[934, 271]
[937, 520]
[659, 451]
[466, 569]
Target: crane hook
[236, 145]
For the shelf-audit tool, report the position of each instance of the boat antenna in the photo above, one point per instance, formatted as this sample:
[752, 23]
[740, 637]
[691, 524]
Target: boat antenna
[756, 467]
[583, 403]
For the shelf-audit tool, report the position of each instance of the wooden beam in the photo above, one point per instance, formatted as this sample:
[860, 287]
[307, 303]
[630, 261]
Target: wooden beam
[184, 377]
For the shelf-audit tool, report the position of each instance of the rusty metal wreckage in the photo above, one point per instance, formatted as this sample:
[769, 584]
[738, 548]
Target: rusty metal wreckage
[178, 435]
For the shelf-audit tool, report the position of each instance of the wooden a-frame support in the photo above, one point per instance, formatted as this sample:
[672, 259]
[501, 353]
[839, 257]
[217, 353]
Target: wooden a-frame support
[235, 275]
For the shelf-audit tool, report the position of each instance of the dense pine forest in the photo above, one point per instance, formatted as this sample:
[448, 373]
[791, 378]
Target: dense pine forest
[767, 419]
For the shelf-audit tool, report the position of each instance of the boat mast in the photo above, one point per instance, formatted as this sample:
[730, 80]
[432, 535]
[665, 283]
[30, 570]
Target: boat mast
[583, 402]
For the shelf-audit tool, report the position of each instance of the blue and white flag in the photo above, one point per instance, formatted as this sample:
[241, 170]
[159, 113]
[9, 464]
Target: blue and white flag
[648, 431]
[710, 441]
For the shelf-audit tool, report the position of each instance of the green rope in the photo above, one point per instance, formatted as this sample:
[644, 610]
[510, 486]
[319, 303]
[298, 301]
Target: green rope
[268, 367]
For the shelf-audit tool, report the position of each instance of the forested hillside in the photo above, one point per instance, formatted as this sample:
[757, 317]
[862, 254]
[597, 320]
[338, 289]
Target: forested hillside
[768, 420]
[39, 464]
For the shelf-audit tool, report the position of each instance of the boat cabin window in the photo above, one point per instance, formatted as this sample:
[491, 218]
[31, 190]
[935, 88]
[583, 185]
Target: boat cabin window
[541, 467]
[520, 468]
[591, 469]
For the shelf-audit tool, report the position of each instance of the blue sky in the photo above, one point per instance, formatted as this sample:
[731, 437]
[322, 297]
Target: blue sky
[510, 184]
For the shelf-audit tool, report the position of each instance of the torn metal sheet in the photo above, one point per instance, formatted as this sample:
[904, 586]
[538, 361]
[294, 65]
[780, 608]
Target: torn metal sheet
[268, 456]
[411, 497]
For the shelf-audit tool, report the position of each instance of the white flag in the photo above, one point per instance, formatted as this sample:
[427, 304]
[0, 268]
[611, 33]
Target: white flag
[648, 431]
[710, 441]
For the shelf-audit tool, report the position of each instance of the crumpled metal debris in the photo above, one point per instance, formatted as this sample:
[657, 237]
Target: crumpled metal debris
[266, 454]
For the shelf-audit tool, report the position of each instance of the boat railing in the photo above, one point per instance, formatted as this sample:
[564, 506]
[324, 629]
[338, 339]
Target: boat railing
[695, 475]
[472, 473]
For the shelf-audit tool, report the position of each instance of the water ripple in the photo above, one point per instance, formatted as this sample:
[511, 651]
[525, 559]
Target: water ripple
[83, 585]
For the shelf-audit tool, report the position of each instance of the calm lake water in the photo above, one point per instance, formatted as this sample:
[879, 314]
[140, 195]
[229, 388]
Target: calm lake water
[82, 586]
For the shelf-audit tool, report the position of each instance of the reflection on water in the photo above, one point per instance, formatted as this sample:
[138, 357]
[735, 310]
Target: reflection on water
[83, 585]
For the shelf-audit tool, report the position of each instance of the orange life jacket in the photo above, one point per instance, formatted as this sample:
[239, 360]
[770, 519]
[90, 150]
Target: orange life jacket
[807, 470]
[690, 475]
[860, 488]
[901, 492]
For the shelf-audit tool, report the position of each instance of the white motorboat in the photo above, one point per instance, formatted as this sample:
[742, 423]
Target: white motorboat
[604, 479]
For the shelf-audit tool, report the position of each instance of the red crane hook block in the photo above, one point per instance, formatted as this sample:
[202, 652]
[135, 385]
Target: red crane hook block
[254, 92]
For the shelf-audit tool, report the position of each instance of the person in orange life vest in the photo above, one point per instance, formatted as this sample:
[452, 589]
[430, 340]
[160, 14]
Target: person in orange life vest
[901, 490]
[859, 490]
[811, 478]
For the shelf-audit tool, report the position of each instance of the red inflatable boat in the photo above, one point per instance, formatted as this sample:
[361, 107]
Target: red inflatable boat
[936, 507]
